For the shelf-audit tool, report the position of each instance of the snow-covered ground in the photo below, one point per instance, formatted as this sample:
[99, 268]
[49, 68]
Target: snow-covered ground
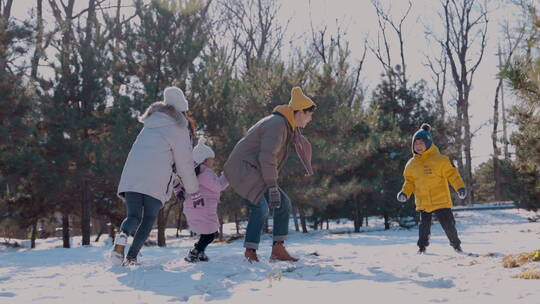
[374, 266]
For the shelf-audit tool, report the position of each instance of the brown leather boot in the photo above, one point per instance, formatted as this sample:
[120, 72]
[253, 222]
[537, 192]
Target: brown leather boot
[279, 253]
[251, 255]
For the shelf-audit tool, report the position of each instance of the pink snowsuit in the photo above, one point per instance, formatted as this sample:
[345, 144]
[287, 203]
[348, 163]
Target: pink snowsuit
[203, 219]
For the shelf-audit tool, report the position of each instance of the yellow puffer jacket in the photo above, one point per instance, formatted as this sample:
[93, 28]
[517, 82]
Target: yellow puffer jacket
[427, 176]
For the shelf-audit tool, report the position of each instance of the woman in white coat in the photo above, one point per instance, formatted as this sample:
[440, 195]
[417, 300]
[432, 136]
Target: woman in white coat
[162, 147]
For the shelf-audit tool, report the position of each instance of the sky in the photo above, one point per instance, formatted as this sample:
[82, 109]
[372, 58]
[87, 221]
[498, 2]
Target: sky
[359, 21]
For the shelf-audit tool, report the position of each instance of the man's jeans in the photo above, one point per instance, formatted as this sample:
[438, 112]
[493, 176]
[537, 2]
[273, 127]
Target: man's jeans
[258, 213]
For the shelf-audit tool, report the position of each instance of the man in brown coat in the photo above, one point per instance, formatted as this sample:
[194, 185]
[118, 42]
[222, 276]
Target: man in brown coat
[254, 165]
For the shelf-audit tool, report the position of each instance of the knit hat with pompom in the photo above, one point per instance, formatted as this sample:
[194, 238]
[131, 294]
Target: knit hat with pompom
[424, 134]
[201, 151]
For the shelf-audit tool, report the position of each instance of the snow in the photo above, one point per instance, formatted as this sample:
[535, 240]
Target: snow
[336, 266]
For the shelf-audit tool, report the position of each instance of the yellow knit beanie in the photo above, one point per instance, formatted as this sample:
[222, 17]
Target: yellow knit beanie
[299, 101]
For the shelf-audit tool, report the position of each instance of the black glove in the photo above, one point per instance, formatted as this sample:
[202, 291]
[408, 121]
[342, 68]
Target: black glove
[462, 193]
[197, 199]
[274, 198]
[180, 192]
[401, 197]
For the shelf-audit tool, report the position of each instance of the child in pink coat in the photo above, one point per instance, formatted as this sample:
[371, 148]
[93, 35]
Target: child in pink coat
[202, 217]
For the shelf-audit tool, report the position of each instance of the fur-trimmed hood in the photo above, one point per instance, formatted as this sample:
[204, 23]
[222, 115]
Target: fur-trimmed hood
[167, 116]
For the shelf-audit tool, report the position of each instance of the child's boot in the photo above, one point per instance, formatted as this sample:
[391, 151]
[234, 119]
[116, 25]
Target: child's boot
[203, 257]
[193, 256]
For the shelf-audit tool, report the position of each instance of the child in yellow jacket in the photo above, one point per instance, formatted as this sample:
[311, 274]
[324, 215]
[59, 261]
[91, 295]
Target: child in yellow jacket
[427, 175]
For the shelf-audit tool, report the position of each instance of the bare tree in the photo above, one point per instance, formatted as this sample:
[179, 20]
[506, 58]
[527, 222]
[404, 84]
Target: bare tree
[465, 30]
[504, 61]
[253, 29]
[324, 45]
[5, 12]
[438, 65]
[382, 50]
[38, 52]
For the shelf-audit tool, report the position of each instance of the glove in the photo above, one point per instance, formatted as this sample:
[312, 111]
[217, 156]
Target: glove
[180, 192]
[274, 198]
[197, 199]
[401, 197]
[462, 193]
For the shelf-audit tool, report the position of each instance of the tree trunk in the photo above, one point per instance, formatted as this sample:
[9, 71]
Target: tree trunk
[357, 216]
[115, 74]
[459, 139]
[236, 223]
[162, 242]
[503, 109]
[34, 234]
[102, 227]
[505, 130]
[112, 231]
[386, 221]
[496, 173]
[295, 217]
[85, 112]
[303, 219]
[179, 219]
[162, 225]
[38, 51]
[65, 230]
[85, 215]
[468, 159]
[315, 223]
[220, 229]
[327, 224]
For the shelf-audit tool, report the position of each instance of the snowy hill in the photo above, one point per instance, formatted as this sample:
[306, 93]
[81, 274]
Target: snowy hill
[374, 266]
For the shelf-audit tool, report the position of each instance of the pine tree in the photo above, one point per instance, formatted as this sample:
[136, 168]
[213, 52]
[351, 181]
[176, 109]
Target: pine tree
[20, 192]
[524, 77]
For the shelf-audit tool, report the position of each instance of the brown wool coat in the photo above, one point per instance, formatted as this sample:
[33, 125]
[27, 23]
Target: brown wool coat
[256, 160]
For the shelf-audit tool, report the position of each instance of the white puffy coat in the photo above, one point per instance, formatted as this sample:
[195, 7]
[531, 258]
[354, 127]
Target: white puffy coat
[163, 142]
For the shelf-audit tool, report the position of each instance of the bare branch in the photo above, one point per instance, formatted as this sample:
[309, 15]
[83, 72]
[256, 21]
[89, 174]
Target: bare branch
[383, 19]
[358, 71]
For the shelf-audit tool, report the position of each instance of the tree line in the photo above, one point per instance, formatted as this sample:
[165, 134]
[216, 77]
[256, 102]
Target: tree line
[72, 88]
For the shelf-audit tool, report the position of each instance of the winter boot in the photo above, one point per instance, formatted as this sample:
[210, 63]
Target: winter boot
[203, 257]
[130, 262]
[251, 255]
[117, 253]
[279, 253]
[458, 249]
[422, 250]
[193, 256]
